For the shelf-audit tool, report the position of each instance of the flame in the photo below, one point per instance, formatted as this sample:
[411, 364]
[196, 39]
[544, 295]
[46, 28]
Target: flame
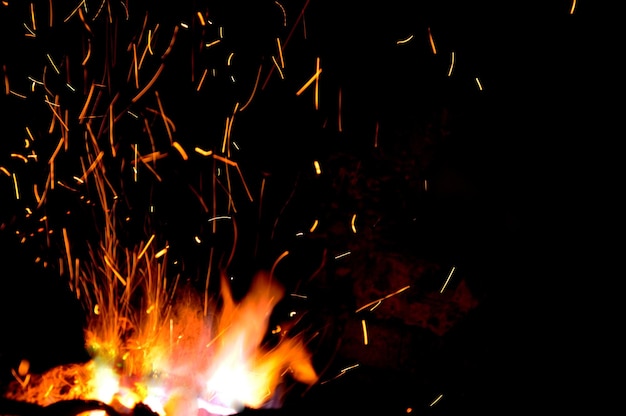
[221, 363]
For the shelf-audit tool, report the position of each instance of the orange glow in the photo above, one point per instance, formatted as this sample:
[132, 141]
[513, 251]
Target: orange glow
[175, 359]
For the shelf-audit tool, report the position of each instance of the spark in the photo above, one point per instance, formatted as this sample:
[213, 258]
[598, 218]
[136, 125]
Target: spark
[437, 399]
[364, 326]
[451, 63]
[280, 71]
[478, 83]
[87, 101]
[405, 40]
[201, 18]
[347, 253]
[16, 186]
[318, 168]
[5, 171]
[180, 149]
[256, 84]
[143, 251]
[280, 53]
[18, 156]
[220, 217]
[447, 279]
[314, 226]
[230, 58]
[352, 223]
[310, 81]
[161, 252]
[32, 16]
[282, 8]
[342, 372]
[379, 301]
[30, 32]
[203, 152]
[149, 84]
[215, 42]
[202, 79]
[432, 42]
[571, 10]
[17, 94]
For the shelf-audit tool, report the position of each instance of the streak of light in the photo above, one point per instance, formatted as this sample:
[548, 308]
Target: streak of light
[161, 252]
[135, 170]
[50, 14]
[201, 18]
[282, 256]
[5, 171]
[437, 399]
[447, 279]
[17, 94]
[571, 10]
[219, 217]
[68, 254]
[230, 59]
[143, 251]
[432, 42]
[165, 118]
[73, 12]
[215, 42]
[341, 373]
[203, 152]
[54, 66]
[317, 83]
[364, 327]
[30, 32]
[318, 168]
[310, 81]
[56, 115]
[32, 16]
[184, 25]
[87, 101]
[113, 269]
[347, 253]
[256, 84]
[202, 79]
[405, 40]
[352, 223]
[149, 42]
[479, 84]
[284, 13]
[135, 70]
[452, 56]
[378, 301]
[314, 226]
[280, 71]
[7, 87]
[197, 239]
[19, 156]
[180, 149]
[149, 84]
[92, 166]
[280, 53]
[16, 186]
[81, 15]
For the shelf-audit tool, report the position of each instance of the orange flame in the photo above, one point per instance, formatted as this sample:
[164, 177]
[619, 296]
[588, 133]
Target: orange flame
[189, 363]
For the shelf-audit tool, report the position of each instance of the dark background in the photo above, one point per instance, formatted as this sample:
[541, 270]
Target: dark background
[520, 182]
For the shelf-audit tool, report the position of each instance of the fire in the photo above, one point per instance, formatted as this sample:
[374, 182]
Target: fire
[221, 363]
